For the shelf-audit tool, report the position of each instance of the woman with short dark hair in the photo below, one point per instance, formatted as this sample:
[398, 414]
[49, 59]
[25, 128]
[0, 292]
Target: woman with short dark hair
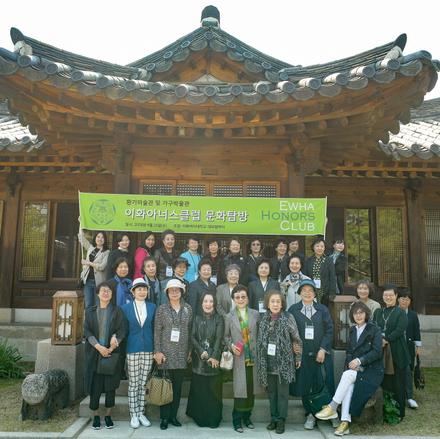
[363, 370]
[321, 269]
[214, 256]
[121, 283]
[123, 251]
[224, 291]
[289, 286]
[255, 255]
[166, 255]
[276, 359]
[364, 292]
[205, 394]
[241, 339]
[264, 283]
[234, 257]
[104, 330]
[340, 262]
[393, 322]
[201, 286]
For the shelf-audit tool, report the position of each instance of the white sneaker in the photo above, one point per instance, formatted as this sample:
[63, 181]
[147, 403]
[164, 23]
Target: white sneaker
[412, 404]
[144, 421]
[134, 423]
[310, 422]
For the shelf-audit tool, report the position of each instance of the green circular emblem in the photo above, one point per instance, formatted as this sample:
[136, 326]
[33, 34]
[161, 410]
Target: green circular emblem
[102, 212]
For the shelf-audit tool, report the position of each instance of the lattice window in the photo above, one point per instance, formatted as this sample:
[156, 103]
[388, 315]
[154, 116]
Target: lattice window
[191, 189]
[227, 190]
[357, 241]
[157, 188]
[65, 244]
[34, 241]
[432, 245]
[261, 190]
[391, 246]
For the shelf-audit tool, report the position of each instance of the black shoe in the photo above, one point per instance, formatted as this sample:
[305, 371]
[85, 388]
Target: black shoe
[96, 423]
[163, 424]
[238, 428]
[248, 424]
[175, 422]
[108, 422]
[271, 426]
[280, 426]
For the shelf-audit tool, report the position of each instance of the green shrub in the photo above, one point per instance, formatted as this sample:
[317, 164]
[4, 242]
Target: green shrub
[9, 358]
[391, 412]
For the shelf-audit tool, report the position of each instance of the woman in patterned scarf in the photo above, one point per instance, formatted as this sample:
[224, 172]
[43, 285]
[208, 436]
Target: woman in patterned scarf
[290, 284]
[276, 357]
[241, 339]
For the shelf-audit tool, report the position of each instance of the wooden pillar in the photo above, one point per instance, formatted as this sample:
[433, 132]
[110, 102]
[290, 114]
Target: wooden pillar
[296, 178]
[416, 248]
[124, 161]
[303, 160]
[9, 240]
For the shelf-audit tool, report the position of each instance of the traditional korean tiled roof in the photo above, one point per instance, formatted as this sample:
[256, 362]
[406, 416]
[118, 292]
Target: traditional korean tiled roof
[14, 136]
[279, 82]
[420, 137]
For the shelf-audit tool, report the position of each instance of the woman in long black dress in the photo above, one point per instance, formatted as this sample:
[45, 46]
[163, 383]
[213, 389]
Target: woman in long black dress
[205, 395]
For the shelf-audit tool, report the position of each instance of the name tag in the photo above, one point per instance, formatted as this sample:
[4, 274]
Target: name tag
[169, 271]
[261, 307]
[214, 279]
[309, 333]
[271, 349]
[175, 335]
[317, 283]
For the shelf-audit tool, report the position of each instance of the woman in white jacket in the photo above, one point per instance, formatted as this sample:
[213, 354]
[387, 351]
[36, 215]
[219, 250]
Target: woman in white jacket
[94, 264]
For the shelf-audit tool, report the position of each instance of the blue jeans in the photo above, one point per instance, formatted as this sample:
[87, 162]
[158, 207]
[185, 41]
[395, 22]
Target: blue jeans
[89, 293]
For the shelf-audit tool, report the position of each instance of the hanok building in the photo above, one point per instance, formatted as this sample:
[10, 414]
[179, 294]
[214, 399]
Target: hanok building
[211, 115]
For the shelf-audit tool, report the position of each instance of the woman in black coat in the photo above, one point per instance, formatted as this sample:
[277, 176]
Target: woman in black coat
[258, 288]
[321, 269]
[315, 328]
[393, 322]
[340, 260]
[104, 330]
[201, 286]
[205, 395]
[364, 370]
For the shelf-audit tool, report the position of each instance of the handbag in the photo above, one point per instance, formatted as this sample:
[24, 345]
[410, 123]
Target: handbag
[108, 365]
[227, 361]
[159, 389]
[419, 375]
[315, 401]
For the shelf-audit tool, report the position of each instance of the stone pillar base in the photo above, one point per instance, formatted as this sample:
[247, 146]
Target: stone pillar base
[338, 364]
[6, 315]
[68, 358]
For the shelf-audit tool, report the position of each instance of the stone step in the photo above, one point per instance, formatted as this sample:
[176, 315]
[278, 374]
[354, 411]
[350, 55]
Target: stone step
[228, 391]
[25, 338]
[260, 413]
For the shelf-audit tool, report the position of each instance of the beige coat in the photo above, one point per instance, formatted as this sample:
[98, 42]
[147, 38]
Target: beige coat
[232, 336]
[100, 260]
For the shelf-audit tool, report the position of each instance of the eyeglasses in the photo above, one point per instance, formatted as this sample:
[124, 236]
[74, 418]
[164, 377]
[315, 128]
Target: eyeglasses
[358, 313]
[243, 297]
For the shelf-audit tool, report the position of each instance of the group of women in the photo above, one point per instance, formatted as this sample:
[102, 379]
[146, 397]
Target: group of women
[277, 327]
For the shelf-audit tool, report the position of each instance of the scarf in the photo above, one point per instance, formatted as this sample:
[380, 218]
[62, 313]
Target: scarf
[123, 294]
[283, 332]
[245, 333]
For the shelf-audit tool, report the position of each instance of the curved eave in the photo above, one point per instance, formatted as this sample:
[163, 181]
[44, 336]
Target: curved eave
[15, 137]
[264, 92]
[419, 139]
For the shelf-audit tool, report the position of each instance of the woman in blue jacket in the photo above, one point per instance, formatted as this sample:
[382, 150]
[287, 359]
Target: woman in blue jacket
[140, 321]
[364, 370]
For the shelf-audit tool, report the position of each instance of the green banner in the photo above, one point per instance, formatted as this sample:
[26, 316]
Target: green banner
[209, 215]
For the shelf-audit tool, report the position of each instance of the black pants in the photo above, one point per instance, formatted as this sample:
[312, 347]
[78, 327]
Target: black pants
[399, 388]
[98, 387]
[278, 393]
[243, 406]
[169, 411]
